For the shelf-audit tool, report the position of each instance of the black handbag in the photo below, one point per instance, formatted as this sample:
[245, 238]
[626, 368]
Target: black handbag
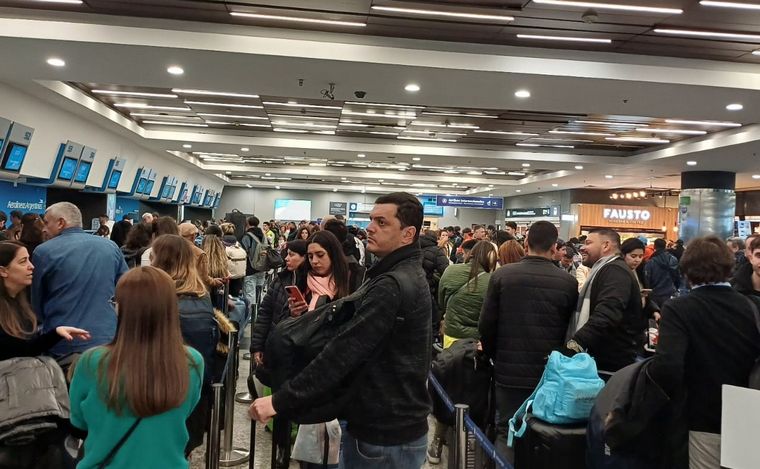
[295, 342]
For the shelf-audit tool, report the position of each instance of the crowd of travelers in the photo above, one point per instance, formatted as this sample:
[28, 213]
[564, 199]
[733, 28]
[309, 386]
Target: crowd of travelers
[130, 322]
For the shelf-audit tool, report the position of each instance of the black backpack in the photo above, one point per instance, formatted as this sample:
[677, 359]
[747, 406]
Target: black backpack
[295, 342]
[754, 375]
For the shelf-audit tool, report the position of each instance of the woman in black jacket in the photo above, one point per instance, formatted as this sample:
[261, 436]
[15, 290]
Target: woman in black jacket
[708, 338]
[434, 262]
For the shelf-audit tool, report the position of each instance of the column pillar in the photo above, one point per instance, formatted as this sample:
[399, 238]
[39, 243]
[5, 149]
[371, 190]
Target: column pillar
[707, 204]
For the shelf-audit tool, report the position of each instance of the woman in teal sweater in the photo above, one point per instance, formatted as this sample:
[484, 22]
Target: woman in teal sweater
[140, 388]
[462, 290]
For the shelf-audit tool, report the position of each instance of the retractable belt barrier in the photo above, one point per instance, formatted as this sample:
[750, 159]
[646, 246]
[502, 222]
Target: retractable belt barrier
[471, 445]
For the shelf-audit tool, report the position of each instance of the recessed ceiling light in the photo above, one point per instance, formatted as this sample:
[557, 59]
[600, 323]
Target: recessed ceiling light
[671, 131]
[181, 124]
[277, 187]
[756, 176]
[405, 115]
[231, 105]
[555, 185]
[518, 190]
[335, 190]
[522, 94]
[245, 149]
[702, 33]
[175, 70]
[297, 19]
[213, 93]
[579, 167]
[228, 116]
[608, 123]
[56, 62]
[734, 107]
[569, 132]
[361, 155]
[505, 132]
[228, 172]
[691, 163]
[299, 105]
[412, 88]
[364, 191]
[449, 14]
[248, 186]
[526, 165]
[527, 144]
[745, 6]
[187, 145]
[449, 140]
[459, 114]
[542, 37]
[611, 6]
[608, 176]
[637, 139]
[149, 106]
[416, 159]
[705, 123]
[70, 2]
[516, 173]
[139, 94]
[267, 174]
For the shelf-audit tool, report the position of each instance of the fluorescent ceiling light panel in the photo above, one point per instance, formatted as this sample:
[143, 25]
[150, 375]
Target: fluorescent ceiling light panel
[611, 6]
[407, 116]
[69, 2]
[352, 124]
[402, 137]
[206, 103]
[457, 114]
[562, 140]
[705, 123]
[213, 93]
[228, 116]
[303, 124]
[311, 106]
[451, 126]
[185, 124]
[504, 132]
[637, 140]
[671, 131]
[297, 19]
[135, 93]
[444, 14]
[201, 153]
[402, 106]
[743, 6]
[527, 144]
[295, 131]
[149, 106]
[516, 173]
[702, 33]
[570, 132]
[161, 116]
[298, 116]
[607, 123]
[542, 37]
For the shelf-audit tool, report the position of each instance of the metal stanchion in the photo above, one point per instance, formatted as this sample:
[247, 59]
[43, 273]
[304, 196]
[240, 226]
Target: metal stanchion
[212, 441]
[231, 456]
[460, 432]
[246, 397]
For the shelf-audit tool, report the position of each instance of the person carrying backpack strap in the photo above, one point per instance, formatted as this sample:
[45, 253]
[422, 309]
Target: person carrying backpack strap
[253, 242]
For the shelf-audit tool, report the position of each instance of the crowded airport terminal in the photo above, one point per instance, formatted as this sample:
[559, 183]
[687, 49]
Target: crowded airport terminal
[379, 234]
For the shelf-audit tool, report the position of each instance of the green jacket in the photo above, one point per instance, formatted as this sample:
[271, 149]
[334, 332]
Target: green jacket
[461, 306]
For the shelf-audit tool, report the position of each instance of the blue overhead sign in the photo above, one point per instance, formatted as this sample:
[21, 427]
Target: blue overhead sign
[470, 202]
[22, 197]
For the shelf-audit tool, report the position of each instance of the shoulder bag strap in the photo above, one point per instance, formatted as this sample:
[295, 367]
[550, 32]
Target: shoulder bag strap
[461, 289]
[521, 415]
[112, 454]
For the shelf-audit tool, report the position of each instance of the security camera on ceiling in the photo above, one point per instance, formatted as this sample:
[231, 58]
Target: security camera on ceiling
[360, 94]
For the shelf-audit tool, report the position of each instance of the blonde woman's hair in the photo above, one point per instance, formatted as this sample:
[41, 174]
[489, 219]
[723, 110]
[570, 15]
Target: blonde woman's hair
[217, 257]
[174, 255]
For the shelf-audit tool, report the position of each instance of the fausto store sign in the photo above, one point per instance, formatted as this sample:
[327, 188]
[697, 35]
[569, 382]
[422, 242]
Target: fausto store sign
[623, 215]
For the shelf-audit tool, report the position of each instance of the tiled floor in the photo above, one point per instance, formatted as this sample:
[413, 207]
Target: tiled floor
[263, 447]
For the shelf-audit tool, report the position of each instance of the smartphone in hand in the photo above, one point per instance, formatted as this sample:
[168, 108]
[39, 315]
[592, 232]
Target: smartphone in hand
[295, 294]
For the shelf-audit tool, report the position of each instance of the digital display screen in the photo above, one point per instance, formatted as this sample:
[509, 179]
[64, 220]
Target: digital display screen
[165, 191]
[288, 209]
[141, 185]
[68, 167]
[149, 187]
[196, 198]
[429, 206]
[171, 191]
[83, 171]
[207, 200]
[113, 182]
[14, 156]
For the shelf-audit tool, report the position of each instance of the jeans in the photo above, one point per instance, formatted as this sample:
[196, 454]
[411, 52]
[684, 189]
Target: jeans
[253, 285]
[360, 455]
[508, 400]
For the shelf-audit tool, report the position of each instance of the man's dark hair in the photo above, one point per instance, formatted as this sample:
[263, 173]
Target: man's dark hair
[512, 225]
[103, 216]
[608, 233]
[469, 244]
[466, 230]
[340, 217]
[542, 236]
[408, 210]
[477, 227]
[214, 230]
[127, 216]
[16, 214]
[560, 243]
[570, 252]
[336, 227]
[457, 229]
[659, 244]
[573, 241]
[502, 237]
[630, 245]
[252, 221]
[491, 228]
[3, 216]
[755, 243]
[707, 260]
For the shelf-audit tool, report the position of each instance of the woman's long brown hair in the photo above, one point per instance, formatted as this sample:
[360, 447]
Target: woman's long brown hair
[146, 365]
[16, 316]
[510, 252]
[483, 256]
[174, 255]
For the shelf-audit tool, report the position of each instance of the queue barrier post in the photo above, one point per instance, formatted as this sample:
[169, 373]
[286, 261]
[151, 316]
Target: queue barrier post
[460, 437]
[231, 456]
[212, 443]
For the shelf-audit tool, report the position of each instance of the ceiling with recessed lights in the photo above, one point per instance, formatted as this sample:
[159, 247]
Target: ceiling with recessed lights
[714, 30]
[320, 107]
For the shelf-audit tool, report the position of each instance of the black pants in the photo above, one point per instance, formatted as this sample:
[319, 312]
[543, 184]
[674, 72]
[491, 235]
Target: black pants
[508, 400]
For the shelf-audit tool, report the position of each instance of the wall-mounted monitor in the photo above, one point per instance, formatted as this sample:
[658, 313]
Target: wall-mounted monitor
[113, 182]
[290, 209]
[149, 187]
[14, 157]
[83, 171]
[141, 185]
[68, 166]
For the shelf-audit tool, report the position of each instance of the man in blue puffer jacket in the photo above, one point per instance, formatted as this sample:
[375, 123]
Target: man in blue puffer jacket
[661, 272]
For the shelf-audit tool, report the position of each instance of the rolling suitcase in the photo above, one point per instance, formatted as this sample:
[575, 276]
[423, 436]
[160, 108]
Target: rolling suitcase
[550, 446]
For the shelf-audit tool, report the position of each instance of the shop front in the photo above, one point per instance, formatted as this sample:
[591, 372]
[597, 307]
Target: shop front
[629, 221]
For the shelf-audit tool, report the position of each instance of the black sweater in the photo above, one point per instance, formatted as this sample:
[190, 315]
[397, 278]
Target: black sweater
[707, 339]
[12, 347]
[391, 403]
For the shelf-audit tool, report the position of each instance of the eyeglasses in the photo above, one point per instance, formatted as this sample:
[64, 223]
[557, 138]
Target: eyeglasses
[112, 302]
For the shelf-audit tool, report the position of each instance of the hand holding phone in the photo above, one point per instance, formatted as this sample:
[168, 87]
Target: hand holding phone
[296, 301]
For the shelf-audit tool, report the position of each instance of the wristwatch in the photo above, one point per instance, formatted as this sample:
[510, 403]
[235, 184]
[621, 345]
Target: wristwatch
[574, 346]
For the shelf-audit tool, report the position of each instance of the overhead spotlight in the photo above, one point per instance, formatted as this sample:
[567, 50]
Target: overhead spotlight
[628, 195]
[642, 194]
[56, 62]
[277, 187]
[187, 145]
[614, 196]
[412, 87]
[175, 70]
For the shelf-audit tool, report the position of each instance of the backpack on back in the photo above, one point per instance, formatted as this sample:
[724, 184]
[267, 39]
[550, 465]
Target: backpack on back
[261, 256]
[565, 394]
[236, 260]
